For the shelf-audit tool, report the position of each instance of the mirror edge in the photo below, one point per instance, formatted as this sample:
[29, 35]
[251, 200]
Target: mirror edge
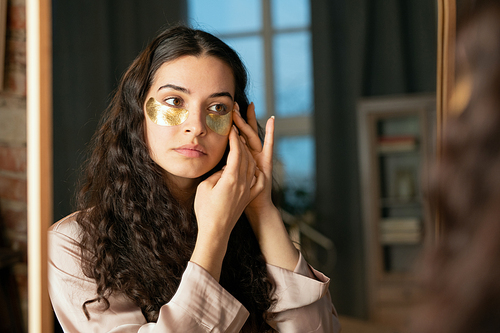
[39, 148]
[445, 77]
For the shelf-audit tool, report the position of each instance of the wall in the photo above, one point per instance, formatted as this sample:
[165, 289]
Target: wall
[89, 59]
[13, 188]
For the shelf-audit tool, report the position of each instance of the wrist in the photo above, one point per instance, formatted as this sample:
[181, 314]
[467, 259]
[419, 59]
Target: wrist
[211, 244]
[209, 252]
[261, 212]
[265, 220]
[273, 238]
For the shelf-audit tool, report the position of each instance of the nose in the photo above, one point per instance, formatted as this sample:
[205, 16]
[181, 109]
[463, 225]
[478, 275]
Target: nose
[195, 124]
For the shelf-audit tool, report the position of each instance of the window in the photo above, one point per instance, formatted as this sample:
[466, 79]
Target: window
[273, 38]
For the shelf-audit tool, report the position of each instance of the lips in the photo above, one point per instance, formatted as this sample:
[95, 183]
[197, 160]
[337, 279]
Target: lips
[191, 150]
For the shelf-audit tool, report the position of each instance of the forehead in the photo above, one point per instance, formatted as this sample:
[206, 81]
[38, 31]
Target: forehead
[196, 72]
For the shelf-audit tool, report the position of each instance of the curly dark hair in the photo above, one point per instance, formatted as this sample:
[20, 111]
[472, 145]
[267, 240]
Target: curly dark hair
[462, 274]
[136, 237]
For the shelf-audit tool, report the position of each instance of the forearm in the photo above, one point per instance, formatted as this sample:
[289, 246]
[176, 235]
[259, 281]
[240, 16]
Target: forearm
[275, 244]
[209, 253]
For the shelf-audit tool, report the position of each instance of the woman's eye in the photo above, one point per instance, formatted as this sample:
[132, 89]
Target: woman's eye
[219, 108]
[174, 101]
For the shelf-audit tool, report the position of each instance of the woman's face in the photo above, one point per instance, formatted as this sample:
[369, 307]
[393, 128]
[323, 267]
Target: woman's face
[188, 116]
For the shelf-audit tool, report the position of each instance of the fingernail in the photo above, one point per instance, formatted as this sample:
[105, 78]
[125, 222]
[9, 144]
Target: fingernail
[272, 117]
[236, 129]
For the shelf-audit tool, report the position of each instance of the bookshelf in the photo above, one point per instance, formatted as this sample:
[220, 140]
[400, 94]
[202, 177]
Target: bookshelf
[396, 142]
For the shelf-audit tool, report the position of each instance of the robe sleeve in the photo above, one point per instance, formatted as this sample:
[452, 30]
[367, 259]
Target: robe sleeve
[199, 305]
[303, 300]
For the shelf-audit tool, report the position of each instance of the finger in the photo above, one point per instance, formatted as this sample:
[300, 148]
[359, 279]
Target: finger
[252, 117]
[238, 121]
[250, 135]
[234, 156]
[259, 185]
[248, 163]
[254, 180]
[251, 166]
[268, 147]
[244, 157]
[242, 138]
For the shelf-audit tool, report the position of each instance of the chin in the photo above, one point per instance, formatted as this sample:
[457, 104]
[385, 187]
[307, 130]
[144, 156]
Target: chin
[187, 174]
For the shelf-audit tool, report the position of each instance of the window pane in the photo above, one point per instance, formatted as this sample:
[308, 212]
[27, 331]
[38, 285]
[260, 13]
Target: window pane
[251, 51]
[293, 74]
[225, 16]
[296, 154]
[290, 13]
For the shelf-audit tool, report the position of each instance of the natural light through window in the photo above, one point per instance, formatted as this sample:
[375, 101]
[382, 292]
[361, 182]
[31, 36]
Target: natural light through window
[273, 38]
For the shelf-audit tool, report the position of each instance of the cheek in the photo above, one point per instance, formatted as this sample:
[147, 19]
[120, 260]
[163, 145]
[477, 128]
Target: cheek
[219, 148]
[156, 136]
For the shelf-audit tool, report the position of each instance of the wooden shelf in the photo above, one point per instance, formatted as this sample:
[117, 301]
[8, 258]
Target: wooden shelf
[394, 145]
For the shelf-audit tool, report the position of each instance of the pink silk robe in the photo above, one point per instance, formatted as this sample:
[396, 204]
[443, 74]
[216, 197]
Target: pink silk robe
[199, 305]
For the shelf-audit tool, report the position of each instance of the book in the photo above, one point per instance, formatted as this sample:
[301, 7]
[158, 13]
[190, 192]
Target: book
[400, 237]
[396, 143]
[400, 224]
[400, 230]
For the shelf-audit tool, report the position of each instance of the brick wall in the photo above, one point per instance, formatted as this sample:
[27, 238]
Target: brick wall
[13, 188]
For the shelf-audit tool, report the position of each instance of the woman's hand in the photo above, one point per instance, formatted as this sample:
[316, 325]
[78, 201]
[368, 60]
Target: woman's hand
[262, 154]
[264, 217]
[219, 202]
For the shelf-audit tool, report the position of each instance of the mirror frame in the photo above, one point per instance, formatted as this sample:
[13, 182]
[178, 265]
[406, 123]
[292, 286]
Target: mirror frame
[39, 140]
[447, 13]
[39, 150]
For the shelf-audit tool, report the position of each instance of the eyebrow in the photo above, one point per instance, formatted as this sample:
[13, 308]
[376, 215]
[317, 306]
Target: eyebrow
[173, 86]
[222, 94]
[187, 91]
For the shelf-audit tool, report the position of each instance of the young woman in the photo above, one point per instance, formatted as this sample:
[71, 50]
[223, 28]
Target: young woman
[176, 230]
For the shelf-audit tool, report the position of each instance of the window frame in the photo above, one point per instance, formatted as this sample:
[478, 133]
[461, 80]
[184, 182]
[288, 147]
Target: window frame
[301, 125]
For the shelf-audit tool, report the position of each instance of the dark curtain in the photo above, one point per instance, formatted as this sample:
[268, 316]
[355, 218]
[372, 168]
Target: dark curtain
[360, 48]
[93, 43]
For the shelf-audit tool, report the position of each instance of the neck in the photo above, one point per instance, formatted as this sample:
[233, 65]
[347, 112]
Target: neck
[183, 189]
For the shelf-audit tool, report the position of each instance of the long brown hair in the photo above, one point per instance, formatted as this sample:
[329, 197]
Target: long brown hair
[136, 238]
[462, 274]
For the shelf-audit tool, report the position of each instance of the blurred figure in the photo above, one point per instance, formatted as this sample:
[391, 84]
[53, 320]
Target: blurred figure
[462, 275]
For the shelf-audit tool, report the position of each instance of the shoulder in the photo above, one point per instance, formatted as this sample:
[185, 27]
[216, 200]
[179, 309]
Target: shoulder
[64, 250]
[67, 226]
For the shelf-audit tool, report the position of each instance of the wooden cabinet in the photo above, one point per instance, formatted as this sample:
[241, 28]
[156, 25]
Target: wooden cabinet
[396, 143]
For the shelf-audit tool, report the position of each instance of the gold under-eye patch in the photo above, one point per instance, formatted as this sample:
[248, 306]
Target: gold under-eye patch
[220, 124]
[164, 115]
[169, 116]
